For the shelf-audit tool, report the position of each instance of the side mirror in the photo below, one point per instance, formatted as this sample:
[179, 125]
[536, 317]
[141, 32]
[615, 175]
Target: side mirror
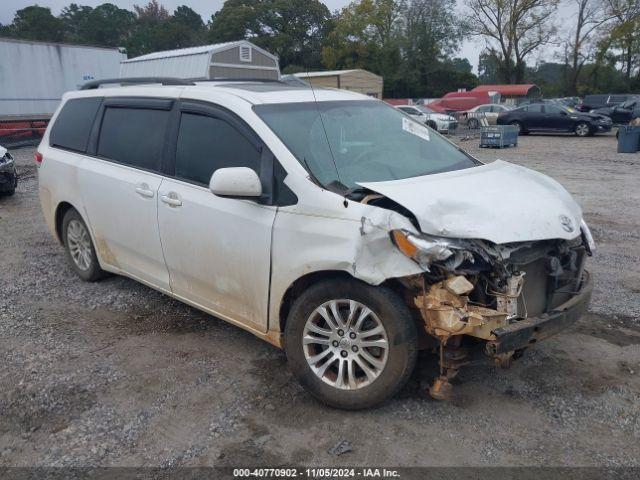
[235, 182]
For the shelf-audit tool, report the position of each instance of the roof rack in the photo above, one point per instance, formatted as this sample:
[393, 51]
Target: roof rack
[93, 84]
[247, 80]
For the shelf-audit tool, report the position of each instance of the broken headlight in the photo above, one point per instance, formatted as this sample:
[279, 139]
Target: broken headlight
[587, 238]
[422, 249]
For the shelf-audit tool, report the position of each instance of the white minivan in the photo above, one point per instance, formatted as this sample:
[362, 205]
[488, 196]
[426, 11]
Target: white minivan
[323, 221]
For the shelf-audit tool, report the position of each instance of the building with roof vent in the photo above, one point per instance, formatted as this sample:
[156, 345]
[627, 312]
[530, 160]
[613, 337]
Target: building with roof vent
[239, 59]
[357, 80]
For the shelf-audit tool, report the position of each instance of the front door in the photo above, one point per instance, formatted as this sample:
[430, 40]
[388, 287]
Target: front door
[557, 118]
[217, 250]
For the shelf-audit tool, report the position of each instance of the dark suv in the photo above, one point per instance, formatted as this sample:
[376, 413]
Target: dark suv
[601, 100]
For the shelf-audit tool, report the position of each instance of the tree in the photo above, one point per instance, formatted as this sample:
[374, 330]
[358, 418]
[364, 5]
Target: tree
[184, 29]
[75, 19]
[625, 32]
[108, 25]
[292, 29]
[149, 31]
[488, 66]
[514, 30]
[365, 35]
[590, 15]
[408, 42]
[36, 23]
[431, 35]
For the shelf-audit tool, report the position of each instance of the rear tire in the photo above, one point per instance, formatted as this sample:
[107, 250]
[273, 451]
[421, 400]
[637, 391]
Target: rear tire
[79, 249]
[351, 373]
[473, 123]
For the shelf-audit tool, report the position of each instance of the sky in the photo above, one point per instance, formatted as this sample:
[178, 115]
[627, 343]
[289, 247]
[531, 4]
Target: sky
[470, 48]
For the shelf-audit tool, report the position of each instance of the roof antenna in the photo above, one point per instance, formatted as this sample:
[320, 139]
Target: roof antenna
[326, 135]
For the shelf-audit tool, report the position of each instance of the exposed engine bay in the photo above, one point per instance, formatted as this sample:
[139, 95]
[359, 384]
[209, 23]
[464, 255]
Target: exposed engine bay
[472, 289]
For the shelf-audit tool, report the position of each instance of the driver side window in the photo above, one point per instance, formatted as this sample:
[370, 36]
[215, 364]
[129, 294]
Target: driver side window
[207, 143]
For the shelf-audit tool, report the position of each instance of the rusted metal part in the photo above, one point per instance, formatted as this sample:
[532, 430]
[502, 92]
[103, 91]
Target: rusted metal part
[507, 301]
[447, 315]
[441, 389]
[446, 311]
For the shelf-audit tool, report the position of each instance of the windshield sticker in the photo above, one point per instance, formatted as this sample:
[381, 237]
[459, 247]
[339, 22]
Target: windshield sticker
[415, 128]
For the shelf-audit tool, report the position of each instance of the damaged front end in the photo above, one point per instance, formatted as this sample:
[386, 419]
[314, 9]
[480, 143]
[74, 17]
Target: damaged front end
[503, 298]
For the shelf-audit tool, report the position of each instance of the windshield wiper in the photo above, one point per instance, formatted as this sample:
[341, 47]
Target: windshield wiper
[312, 176]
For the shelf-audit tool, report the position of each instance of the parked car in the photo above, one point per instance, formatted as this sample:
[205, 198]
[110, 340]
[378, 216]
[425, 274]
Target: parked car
[623, 113]
[325, 222]
[553, 117]
[600, 100]
[438, 121]
[8, 173]
[489, 111]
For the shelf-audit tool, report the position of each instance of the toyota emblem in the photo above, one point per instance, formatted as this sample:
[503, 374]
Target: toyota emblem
[567, 223]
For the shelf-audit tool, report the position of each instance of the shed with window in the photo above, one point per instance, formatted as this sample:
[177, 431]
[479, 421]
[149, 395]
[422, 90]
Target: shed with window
[239, 59]
[357, 80]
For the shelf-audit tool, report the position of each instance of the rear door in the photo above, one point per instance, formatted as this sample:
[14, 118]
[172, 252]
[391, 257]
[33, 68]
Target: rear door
[534, 118]
[217, 250]
[120, 185]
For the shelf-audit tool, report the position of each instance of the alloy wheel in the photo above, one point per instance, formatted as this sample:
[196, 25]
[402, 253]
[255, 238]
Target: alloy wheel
[79, 244]
[345, 344]
[582, 129]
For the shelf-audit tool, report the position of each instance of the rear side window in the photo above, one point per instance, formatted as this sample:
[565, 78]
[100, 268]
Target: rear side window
[206, 144]
[73, 125]
[536, 108]
[133, 136]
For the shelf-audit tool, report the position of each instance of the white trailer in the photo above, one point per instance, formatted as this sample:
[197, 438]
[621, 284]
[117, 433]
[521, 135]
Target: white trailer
[34, 75]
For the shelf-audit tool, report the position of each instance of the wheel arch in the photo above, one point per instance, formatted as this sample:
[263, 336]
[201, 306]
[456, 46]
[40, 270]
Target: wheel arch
[312, 278]
[61, 209]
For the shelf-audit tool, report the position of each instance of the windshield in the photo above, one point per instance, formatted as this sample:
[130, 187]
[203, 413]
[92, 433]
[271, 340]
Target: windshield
[360, 141]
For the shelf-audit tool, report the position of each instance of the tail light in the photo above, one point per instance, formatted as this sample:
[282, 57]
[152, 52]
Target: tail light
[38, 158]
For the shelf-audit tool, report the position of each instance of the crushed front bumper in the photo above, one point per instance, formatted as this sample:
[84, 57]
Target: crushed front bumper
[526, 332]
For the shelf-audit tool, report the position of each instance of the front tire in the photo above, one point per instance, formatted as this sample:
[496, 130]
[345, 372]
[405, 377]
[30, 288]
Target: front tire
[582, 129]
[79, 248]
[521, 129]
[351, 345]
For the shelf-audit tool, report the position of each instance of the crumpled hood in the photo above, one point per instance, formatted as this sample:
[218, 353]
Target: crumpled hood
[500, 202]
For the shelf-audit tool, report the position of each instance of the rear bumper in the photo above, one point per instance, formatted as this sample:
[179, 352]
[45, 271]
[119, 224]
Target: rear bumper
[529, 331]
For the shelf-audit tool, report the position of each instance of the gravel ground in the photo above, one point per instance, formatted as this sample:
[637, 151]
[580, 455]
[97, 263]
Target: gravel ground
[114, 373]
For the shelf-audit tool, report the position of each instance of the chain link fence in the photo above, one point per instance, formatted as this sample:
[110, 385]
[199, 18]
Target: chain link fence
[469, 123]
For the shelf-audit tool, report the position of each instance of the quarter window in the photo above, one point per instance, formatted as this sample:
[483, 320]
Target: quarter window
[133, 136]
[206, 144]
[73, 125]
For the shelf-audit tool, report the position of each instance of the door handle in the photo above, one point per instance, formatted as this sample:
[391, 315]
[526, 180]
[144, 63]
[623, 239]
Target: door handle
[172, 199]
[144, 191]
